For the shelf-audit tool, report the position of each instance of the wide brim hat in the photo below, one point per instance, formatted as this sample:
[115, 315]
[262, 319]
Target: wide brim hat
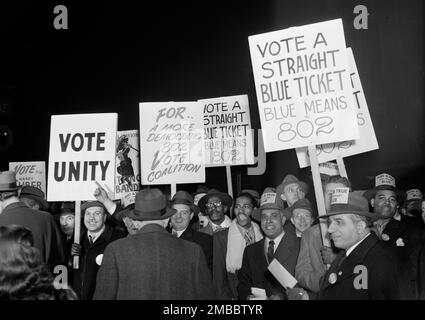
[194, 208]
[34, 194]
[369, 194]
[8, 181]
[149, 204]
[224, 197]
[290, 179]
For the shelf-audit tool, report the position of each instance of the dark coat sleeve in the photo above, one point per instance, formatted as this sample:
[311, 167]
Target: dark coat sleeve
[245, 277]
[205, 288]
[107, 277]
[221, 283]
[56, 250]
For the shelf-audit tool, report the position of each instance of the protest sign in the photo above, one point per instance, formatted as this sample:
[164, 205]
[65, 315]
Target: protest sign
[366, 142]
[303, 86]
[82, 151]
[227, 127]
[127, 172]
[30, 174]
[171, 137]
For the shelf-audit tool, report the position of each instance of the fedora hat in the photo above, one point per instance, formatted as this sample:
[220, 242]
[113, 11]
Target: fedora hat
[183, 197]
[289, 179]
[224, 197]
[354, 204]
[150, 204]
[301, 204]
[35, 194]
[270, 200]
[8, 181]
[384, 181]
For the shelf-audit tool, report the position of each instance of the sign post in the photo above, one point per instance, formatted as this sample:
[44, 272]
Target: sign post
[77, 231]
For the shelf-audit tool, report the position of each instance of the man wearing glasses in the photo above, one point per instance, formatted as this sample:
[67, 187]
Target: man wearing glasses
[216, 204]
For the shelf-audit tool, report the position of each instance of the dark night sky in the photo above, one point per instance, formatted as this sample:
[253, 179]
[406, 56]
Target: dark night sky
[116, 54]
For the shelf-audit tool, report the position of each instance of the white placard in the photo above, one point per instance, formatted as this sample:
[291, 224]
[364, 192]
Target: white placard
[228, 134]
[303, 87]
[127, 172]
[171, 137]
[281, 274]
[367, 141]
[30, 173]
[329, 168]
[414, 194]
[268, 197]
[340, 196]
[384, 179]
[82, 151]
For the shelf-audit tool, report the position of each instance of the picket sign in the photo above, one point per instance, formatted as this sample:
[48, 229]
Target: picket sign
[320, 200]
[229, 185]
[77, 231]
[173, 189]
[341, 166]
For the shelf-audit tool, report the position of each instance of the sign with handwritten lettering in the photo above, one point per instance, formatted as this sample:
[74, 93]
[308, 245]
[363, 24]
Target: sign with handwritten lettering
[30, 174]
[303, 88]
[171, 137]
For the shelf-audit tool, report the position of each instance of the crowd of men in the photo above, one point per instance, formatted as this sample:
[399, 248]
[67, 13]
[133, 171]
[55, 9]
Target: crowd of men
[207, 245]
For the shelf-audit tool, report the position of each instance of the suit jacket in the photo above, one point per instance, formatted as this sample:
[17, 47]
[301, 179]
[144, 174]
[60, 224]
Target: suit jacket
[47, 237]
[85, 275]
[154, 265]
[205, 241]
[310, 267]
[254, 272]
[370, 265]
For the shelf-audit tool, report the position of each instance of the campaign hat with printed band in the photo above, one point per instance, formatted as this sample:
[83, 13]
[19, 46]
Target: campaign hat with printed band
[270, 200]
[385, 181]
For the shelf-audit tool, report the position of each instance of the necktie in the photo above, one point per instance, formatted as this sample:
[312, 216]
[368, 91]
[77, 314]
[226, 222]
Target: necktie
[90, 240]
[270, 251]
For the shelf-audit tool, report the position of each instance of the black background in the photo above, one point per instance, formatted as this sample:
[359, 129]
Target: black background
[117, 54]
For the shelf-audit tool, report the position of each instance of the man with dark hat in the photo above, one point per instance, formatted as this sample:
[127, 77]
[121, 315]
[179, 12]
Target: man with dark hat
[364, 269]
[216, 204]
[302, 216]
[280, 243]
[182, 202]
[153, 264]
[200, 220]
[291, 189]
[403, 238]
[34, 198]
[12, 211]
[92, 245]
[411, 208]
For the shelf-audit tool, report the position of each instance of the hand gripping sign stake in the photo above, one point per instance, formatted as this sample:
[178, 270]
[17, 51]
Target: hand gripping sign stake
[76, 260]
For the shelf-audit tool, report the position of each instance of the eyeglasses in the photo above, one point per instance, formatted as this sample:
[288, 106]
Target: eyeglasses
[213, 204]
[245, 206]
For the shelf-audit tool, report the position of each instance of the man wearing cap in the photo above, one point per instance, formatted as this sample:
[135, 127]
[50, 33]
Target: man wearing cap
[92, 245]
[34, 198]
[302, 216]
[291, 189]
[46, 233]
[411, 209]
[216, 204]
[182, 202]
[200, 220]
[153, 264]
[364, 269]
[230, 244]
[280, 243]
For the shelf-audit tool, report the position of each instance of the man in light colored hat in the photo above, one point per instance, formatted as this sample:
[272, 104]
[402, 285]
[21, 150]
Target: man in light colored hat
[182, 202]
[92, 245]
[291, 189]
[34, 198]
[364, 269]
[412, 208]
[280, 243]
[153, 264]
[46, 233]
[216, 205]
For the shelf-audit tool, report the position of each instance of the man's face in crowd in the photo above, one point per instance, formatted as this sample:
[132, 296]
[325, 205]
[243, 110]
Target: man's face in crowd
[67, 223]
[129, 225]
[181, 219]
[413, 208]
[272, 222]
[243, 210]
[292, 193]
[343, 231]
[94, 219]
[216, 209]
[385, 203]
[302, 219]
[329, 189]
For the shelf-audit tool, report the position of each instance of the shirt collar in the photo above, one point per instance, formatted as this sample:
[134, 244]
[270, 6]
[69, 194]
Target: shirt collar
[355, 245]
[276, 241]
[95, 235]
[179, 233]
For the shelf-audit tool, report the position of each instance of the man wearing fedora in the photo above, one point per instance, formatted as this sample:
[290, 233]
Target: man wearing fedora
[280, 243]
[291, 189]
[182, 202]
[403, 238]
[364, 268]
[93, 242]
[153, 264]
[216, 204]
[12, 211]
[34, 198]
